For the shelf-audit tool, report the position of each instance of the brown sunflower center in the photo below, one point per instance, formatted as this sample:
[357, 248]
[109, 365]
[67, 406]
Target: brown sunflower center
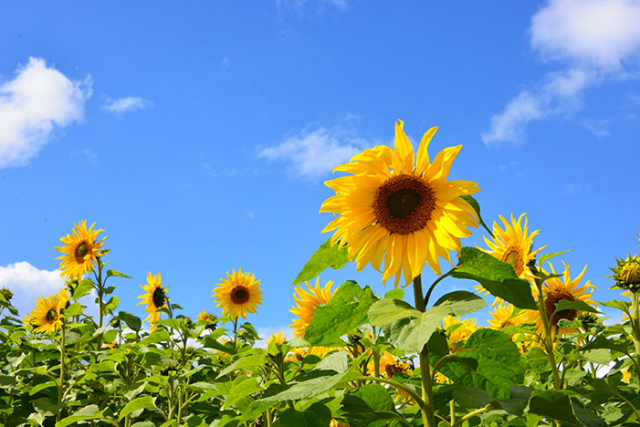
[513, 255]
[51, 315]
[82, 250]
[392, 368]
[553, 297]
[240, 295]
[404, 204]
[158, 297]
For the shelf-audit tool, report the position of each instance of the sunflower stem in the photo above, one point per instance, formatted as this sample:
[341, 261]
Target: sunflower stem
[433, 286]
[100, 288]
[428, 417]
[635, 324]
[63, 342]
[548, 334]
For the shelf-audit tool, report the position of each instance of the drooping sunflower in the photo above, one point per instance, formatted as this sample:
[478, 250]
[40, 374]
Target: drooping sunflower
[514, 244]
[82, 250]
[155, 297]
[400, 208]
[238, 294]
[307, 300]
[559, 288]
[48, 316]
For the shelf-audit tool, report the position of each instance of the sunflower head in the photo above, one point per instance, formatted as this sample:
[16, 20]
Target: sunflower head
[238, 294]
[48, 316]
[398, 207]
[81, 249]
[505, 315]
[627, 273]
[459, 331]
[513, 244]
[307, 300]
[155, 297]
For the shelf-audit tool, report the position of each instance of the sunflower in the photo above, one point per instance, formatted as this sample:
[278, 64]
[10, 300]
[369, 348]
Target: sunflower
[400, 208]
[505, 315]
[238, 294]
[307, 300]
[459, 331]
[559, 288]
[82, 250]
[514, 245]
[155, 298]
[49, 314]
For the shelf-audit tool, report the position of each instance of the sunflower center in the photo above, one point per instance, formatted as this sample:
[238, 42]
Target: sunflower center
[404, 204]
[555, 295]
[513, 256]
[51, 315]
[240, 295]
[158, 297]
[82, 250]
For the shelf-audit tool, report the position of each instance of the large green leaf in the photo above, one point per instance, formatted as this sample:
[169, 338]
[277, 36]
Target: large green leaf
[462, 302]
[476, 206]
[316, 415]
[311, 385]
[557, 405]
[499, 363]
[137, 404]
[90, 412]
[564, 304]
[370, 405]
[495, 276]
[387, 311]
[326, 256]
[342, 315]
[411, 334]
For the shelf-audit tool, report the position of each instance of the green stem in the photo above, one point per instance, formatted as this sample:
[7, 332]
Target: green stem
[428, 417]
[635, 325]
[433, 286]
[548, 335]
[415, 396]
[63, 342]
[471, 415]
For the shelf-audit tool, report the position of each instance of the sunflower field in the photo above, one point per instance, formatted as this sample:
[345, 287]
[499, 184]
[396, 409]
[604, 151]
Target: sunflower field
[545, 357]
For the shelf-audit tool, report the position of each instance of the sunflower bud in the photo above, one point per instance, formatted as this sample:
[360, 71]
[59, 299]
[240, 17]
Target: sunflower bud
[6, 293]
[627, 273]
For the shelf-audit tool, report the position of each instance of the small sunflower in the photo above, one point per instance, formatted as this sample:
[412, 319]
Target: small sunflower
[400, 208]
[238, 294]
[155, 298]
[459, 331]
[82, 250]
[49, 314]
[307, 300]
[505, 315]
[514, 244]
[559, 288]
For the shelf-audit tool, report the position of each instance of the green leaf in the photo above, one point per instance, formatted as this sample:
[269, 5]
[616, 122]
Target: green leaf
[621, 345]
[91, 412]
[462, 302]
[476, 206]
[412, 334]
[131, 320]
[546, 257]
[319, 383]
[518, 401]
[336, 361]
[316, 415]
[242, 387]
[601, 356]
[620, 305]
[370, 405]
[137, 404]
[114, 273]
[74, 309]
[471, 397]
[249, 363]
[84, 288]
[397, 293]
[325, 257]
[496, 276]
[557, 405]
[159, 335]
[499, 363]
[387, 311]
[564, 304]
[343, 314]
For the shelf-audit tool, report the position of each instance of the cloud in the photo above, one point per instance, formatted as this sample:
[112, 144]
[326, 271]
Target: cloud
[224, 64]
[126, 105]
[313, 153]
[32, 105]
[267, 332]
[28, 283]
[595, 38]
[316, 6]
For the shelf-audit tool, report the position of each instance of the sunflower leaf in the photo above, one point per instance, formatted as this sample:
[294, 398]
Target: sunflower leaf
[476, 206]
[316, 415]
[90, 412]
[546, 257]
[564, 304]
[497, 277]
[462, 302]
[412, 333]
[114, 273]
[342, 315]
[326, 256]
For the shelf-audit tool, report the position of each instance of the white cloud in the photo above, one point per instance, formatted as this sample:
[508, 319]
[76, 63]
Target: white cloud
[312, 154]
[224, 64]
[594, 37]
[127, 104]
[32, 105]
[267, 332]
[28, 283]
[316, 6]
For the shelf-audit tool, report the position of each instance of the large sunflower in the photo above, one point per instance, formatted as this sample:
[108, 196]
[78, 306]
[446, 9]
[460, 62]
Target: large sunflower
[155, 298]
[49, 314]
[307, 300]
[559, 288]
[514, 244]
[238, 294]
[82, 250]
[400, 208]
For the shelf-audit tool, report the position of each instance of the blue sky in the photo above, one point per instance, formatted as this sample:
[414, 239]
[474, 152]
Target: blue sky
[199, 136]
